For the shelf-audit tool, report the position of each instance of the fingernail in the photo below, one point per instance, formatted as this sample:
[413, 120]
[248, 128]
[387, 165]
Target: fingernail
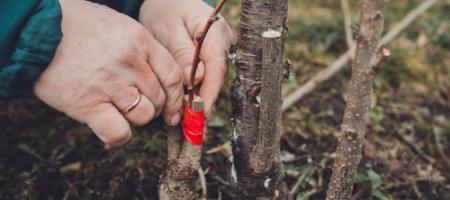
[175, 119]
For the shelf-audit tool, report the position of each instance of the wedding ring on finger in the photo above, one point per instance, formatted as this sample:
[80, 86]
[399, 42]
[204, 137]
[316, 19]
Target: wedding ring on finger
[133, 105]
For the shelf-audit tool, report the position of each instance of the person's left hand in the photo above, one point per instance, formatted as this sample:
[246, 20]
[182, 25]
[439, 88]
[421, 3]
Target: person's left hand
[175, 24]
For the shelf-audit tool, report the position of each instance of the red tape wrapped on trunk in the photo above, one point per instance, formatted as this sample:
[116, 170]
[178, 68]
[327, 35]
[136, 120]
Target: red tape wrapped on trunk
[193, 125]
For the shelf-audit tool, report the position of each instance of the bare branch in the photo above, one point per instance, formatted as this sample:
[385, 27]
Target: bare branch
[397, 29]
[201, 176]
[301, 179]
[200, 38]
[368, 56]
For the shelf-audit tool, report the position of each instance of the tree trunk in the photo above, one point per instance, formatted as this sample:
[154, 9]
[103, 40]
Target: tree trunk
[369, 57]
[256, 98]
[178, 181]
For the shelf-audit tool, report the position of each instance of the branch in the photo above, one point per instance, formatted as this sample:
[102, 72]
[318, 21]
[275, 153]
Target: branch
[301, 179]
[381, 57]
[339, 64]
[201, 176]
[347, 22]
[397, 29]
[368, 57]
[200, 38]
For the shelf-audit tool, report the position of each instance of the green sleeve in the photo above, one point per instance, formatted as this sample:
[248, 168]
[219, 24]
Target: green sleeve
[128, 7]
[30, 33]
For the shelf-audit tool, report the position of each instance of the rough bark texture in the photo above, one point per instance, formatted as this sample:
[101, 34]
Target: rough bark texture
[348, 153]
[257, 169]
[178, 182]
[266, 153]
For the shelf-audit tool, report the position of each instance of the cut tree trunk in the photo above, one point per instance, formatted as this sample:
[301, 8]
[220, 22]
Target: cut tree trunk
[256, 98]
[178, 181]
[369, 57]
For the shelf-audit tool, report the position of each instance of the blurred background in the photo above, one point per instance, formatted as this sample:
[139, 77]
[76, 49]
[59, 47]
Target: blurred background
[45, 155]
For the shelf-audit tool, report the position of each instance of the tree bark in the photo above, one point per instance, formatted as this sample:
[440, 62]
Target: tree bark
[178, 181]
[256, 98]
[369, 57]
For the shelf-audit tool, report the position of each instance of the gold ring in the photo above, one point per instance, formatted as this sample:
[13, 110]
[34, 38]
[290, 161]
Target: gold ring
[133, 105]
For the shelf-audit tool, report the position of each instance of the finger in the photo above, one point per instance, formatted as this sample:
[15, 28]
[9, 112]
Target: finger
[214, 54]
[171, 80]
[212, 83]
[149, 85]
[109, 125]
[135, 107]
[199, 74]
[182, 48]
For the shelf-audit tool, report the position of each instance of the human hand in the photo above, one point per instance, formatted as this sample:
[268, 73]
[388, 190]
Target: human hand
[175, 24]
[103, 63]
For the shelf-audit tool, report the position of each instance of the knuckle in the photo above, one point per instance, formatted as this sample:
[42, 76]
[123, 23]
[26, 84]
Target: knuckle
[183, 53]
[174, 80]
[159, 103]
[174, 103]
[140, 34]
[87, 100]
[127, 56]
[160, 99]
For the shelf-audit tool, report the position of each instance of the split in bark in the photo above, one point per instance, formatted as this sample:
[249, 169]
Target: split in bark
[256, 99]
[369, 57]
[266, 152]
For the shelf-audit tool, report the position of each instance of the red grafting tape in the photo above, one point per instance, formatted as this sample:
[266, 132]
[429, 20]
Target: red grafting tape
[193, 125]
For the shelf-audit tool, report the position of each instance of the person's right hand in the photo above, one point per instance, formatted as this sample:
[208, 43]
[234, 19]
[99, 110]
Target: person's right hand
[103, 63]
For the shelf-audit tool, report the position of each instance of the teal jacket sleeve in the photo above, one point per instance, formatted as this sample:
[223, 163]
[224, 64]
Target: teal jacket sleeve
[30, 31]
[128, 7]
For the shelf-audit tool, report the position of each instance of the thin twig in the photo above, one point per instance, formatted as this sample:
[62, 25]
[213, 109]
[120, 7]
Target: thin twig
[347, 22]
[200, 38]
[307, 172]
[397, 29]
[201, 176]
[340, 63]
